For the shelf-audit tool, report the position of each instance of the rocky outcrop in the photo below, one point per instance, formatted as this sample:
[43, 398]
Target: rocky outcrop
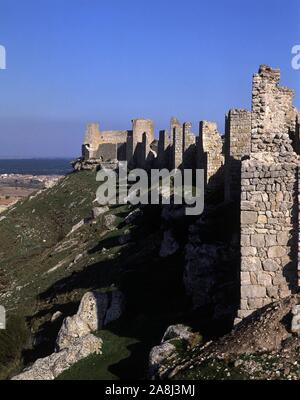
[99, 309]
[75, 341]
[158, 355]
[163, 356]
[263, 346]
[178, 331]
[295, 328]
[97, 211]
[51, 367]
[110, 222]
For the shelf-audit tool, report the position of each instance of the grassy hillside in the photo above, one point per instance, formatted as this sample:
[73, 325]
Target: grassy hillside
[45, 269]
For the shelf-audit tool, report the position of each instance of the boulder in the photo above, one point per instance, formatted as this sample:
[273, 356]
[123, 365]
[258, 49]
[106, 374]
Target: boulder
[178, 331]
[75, 341]
[76, 227]
[99, 309]
[72, 329]
[54, 365]
[158, 355]
[57, 315]
[97, 211]
[110, 222]
[296, 320]
[133, 216]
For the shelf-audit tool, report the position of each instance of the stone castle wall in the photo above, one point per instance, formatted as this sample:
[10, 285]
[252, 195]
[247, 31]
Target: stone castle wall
[210, 151]
[269, 198]
[273, 113]
[163, 156]
[141, 127]
[258, 164]
[177, 146]
[189, 147]
[237, 146]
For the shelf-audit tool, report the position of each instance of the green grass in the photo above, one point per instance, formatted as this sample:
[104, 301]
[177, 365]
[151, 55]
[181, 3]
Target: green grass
[116, 349]
[12, 341]
[33, 241]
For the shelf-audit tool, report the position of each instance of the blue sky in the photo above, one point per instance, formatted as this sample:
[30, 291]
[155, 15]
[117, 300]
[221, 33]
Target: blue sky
[74, 61]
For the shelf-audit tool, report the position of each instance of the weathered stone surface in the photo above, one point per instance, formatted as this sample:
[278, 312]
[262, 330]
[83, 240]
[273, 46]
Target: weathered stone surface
[57, 315]
[276, 252]
[72, 329]
[74, 340]
[249, 217]
[258, 240]
[110, 222]
[97, 211]
[295, 328]
[158, 355]
[271, 266]
[51, 367]
[178, 331]
[99, 309]
[269, 180]
[253, 291]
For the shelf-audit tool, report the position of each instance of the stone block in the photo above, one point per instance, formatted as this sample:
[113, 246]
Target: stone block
[271, 240]
[272, 292]
[271, 266]
[264, 279]
[276, 252]
[248, 251]
[255, 304]
[245, 278]
[249, 217]
[251, 264]
[258, 240]
[253, 291]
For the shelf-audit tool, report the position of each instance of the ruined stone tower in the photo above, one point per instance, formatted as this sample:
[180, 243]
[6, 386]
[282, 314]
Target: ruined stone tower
[269, 197]
[210, 151]
[237, 147]
[91, 141]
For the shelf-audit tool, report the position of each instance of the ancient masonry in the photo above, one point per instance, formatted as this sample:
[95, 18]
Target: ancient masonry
[269, 197]
[255, 164]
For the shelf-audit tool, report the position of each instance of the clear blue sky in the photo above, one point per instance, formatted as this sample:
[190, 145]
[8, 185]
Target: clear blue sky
[74, 61]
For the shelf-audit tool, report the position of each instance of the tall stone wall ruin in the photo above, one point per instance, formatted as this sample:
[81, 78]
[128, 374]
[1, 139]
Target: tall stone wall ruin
[210, 152]
[177, 146]
[189, 147]
[164, 156]
[237, 147]
[269, 198]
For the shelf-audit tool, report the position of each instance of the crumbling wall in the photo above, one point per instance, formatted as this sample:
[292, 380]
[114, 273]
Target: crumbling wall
[107, 152]
[210, 152]
[139, 128]
[297, 134]
[269, 200]
[91, 141]
[189, 146]
[115, 137]
[237, 146]
[163, 157]
[177, 146]
[273, 113]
